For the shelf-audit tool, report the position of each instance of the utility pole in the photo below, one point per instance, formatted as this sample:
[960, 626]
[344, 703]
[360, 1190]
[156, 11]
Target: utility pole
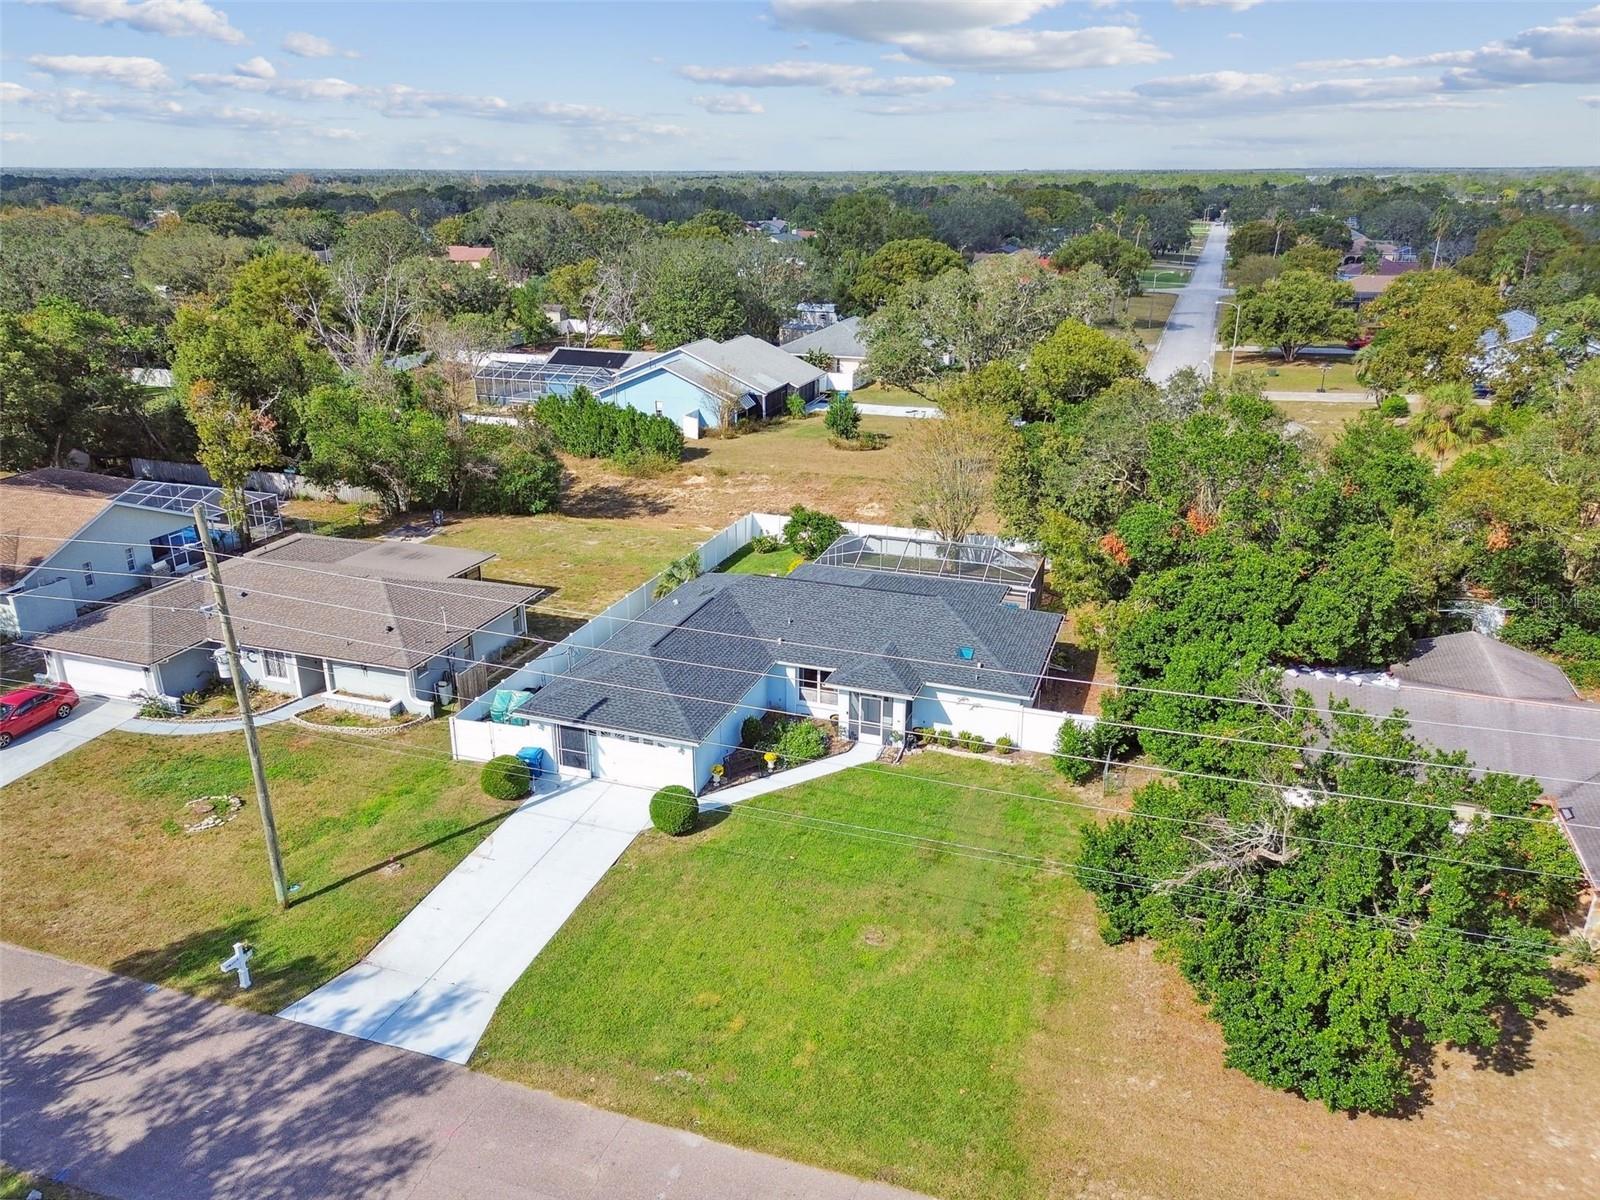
[241, 692]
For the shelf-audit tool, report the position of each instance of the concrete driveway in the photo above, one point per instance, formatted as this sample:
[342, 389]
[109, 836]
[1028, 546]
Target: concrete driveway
[434, 982]
[89, 720]
[1191, 333]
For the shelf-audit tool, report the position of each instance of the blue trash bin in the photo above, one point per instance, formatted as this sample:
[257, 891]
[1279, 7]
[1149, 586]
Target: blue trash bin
[534, 756]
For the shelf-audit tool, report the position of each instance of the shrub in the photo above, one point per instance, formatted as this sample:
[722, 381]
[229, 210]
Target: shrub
[944, 737]
[843, 419]
[750, 732]
[922, 735]
[590, 428]
[505, 777]
[796, 404]
[971, 742]
[508, 469]
[1395, 406]
[810, 532]
[1004, 745]
[673, 810]
[800, 742]
[644, 464]
[765, 543]
[1078, 751]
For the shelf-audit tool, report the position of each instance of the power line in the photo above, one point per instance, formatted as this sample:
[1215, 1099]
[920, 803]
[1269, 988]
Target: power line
[421, 586]
[603, 649]
[1422, 763]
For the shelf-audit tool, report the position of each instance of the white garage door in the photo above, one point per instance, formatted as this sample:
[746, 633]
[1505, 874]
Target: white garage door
[640, 762]
[94, 678]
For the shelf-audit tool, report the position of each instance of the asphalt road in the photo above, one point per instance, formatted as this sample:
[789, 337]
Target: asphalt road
[1191, 331]
[131, 1091]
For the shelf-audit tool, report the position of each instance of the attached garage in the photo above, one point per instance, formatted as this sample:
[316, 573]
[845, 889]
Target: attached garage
[640, 761]
[98, 677]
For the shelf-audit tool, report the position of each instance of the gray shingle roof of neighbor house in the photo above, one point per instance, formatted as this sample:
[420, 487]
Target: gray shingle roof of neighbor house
[678, 669]
[760, 365]
[842, 339]
[411, 560]
[1511, 711]
[40, 509]
[335, 611]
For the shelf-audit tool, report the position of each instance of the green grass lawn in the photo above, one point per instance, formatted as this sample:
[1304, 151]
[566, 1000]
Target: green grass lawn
[1164, 277]
[100, 870]
[814, 992]
[774, 562]
[881, 393]
[1303, 376]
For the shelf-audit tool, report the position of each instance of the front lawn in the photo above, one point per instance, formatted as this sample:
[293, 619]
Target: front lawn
[1305, 375]
[811, 989]
[100, 870]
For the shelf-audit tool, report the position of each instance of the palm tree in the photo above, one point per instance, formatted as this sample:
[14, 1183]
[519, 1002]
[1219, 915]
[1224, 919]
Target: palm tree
[1443, 223]
[1119, 215]
[1449, 421]
[678, 572]
[1141, 226]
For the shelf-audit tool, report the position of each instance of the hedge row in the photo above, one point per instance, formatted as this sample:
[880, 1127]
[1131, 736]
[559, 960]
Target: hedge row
[591, 428]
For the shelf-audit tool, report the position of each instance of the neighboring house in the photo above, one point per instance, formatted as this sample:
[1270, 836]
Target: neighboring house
[704, 383]
[473, 256]
[841, 342]
[1510, 710]
[1494, 350]
[875, 651]
[72, 539]
[384, 620]
[156, 378]
[809, 316]
[523, 378]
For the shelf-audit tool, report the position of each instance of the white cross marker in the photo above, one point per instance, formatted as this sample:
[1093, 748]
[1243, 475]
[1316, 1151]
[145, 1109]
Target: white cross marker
[240, 962]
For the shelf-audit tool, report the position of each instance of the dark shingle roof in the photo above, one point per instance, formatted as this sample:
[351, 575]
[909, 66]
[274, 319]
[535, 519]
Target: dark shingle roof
[41, 509]
[678, 669]
[330, 612]
[1472, 662]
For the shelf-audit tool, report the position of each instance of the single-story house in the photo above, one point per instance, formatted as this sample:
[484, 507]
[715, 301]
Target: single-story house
[809, 316]
[386, 620]
[877, 652]
[1510, 710]
[701, 384]
[72, 539]
[473, 256]
[842, 343]
[511, 378]
[1494, 349]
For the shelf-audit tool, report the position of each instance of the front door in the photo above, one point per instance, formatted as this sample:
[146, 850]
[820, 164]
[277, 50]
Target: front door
[866, 717]
[572, 748]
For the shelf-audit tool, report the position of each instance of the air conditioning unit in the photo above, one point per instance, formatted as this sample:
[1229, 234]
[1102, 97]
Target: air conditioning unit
[162, 569]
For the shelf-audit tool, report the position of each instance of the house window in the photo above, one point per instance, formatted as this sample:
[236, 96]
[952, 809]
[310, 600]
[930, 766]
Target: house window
[133, 561]
[88, 574]
[274, 664]
[813, 685]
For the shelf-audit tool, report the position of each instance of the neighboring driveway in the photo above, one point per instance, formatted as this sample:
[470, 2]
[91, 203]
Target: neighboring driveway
[128, 1090]
[89, 720]
[434, 982]
[1191, 333]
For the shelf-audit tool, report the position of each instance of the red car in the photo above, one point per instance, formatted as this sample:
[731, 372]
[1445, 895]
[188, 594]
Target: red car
[30, 707]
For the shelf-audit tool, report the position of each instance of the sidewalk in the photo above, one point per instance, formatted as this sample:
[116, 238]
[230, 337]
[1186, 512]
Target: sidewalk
[131, 1091]
[856, 756]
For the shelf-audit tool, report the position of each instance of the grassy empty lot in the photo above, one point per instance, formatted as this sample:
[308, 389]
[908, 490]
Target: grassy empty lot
[101, 871]
[1164, 277]
[956, 1025]
[1303, 376]
[1325, 418]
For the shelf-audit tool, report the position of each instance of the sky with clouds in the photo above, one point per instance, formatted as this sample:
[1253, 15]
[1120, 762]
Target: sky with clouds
[798, 84]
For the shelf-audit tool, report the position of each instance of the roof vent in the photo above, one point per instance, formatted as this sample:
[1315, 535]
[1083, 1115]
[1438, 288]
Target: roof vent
[965, 653]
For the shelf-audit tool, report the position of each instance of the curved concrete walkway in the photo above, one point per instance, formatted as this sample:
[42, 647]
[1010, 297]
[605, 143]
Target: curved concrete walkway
[130, 1090]
[222, 724]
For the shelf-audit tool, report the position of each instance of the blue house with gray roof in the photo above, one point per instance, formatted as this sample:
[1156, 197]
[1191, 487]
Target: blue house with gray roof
[662, 700]
[703, 384]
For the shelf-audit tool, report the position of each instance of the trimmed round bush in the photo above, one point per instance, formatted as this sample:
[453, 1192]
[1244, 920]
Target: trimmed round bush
[1004, 745]
[1394, 406]
[673, 810]
[506, 777]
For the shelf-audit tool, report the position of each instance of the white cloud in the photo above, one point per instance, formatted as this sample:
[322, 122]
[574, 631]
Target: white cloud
[1232, 5]
[1566, 52]
[170, 18]
[1591, 101]
[13, 137]
[142, 74]
[15, 93]
[972, 34]
[1242, 94]
[1387, 62]
[842, 79]
[276, 85]
[309, 45]
[258, 67]
[733, 103]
